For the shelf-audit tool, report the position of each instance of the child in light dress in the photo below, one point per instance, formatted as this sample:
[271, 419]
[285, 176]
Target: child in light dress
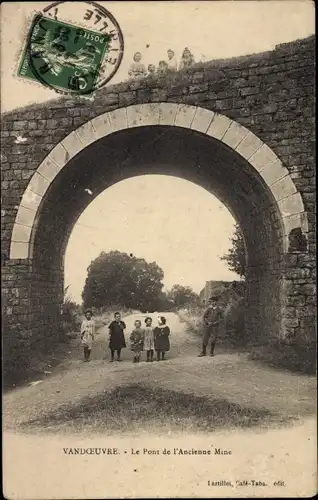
[149, 342]
[137, 341]
[87, 333]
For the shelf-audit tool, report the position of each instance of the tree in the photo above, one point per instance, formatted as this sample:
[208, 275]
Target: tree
[116, 278]
[236, 258]
[182, 295]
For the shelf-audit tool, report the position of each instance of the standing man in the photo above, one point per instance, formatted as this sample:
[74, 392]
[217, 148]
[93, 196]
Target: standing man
[212, 320]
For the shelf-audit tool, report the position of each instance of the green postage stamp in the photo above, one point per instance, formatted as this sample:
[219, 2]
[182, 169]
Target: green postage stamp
[71, 58]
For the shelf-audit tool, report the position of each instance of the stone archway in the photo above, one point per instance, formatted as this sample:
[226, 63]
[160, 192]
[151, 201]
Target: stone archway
[187, 141]
[241, 140]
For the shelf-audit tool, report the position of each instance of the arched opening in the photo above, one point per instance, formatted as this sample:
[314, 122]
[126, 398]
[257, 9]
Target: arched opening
[167, 150]
[193, 143]
[163, 219]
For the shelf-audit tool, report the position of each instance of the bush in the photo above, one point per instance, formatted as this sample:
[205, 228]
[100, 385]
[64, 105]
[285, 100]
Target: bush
[233, 332]
[72, 314]
[295, 357]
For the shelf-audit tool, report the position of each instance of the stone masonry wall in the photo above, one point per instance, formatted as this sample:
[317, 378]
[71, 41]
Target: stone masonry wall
[272, 94]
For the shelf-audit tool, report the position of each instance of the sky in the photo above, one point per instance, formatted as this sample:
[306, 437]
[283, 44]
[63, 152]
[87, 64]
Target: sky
[177, 224]
[171, 221]
[211, 29]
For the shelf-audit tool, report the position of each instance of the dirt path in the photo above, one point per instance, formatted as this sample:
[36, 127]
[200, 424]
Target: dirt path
[266, 453]
[227, 375]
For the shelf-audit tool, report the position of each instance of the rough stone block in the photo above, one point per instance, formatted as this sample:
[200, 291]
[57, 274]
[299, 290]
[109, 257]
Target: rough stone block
[308, 289]
[158, 95]
[298, 300]
[289, 312]
[127, 98]
[297, 273]
[223, 104]
[198, 88]
[311, 300]
[20, 125]
[250, 90]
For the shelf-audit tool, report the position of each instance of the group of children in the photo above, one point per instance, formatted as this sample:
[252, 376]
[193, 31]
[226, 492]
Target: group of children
[138, 69]
[149, 339]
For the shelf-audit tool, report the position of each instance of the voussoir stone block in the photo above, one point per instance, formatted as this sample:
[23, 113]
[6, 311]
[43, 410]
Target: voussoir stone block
[167, 113]
[202, 119]
[30, 200]
[185, 115]
[143, 115]
[291, 205]
[19, 250]
[219, 126]
[87, 134]
[102, 126]
[25, 216]
[49, 169]
[273, 172]
[21, 233]
[249, 145]
[60, 155]
[283, 188]
[38, 184]
[234, 135]
[118, 119]
[72, 144]
[262, 158]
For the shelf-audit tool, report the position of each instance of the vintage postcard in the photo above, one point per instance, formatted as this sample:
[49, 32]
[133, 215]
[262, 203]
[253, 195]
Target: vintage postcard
[158, 249]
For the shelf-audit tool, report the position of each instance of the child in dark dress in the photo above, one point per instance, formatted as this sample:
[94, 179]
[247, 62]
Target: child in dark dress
[116, 336]
[161, 334]
[137, 340]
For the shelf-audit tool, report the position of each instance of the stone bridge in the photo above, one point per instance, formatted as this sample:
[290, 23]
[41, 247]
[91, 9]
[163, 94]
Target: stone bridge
[241, 128]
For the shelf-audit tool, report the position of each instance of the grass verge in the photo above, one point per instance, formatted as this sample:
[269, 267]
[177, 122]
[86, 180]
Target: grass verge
[139, 407]
[300, 358]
